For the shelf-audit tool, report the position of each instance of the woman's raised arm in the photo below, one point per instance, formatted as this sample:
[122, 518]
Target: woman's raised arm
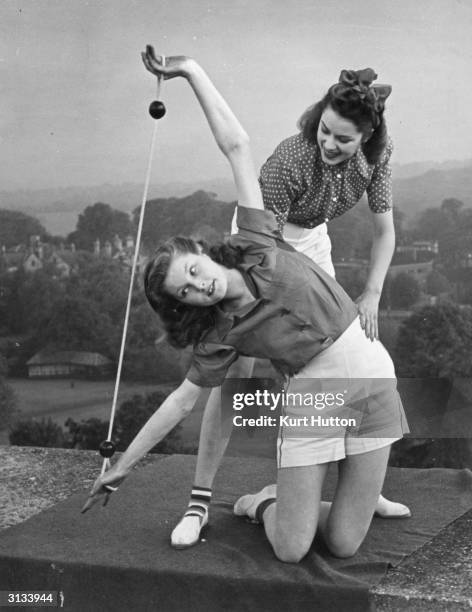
[228, 132]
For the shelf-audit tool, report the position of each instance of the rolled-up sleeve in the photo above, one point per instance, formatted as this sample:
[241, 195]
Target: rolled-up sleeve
[379, 191]
[280, 186]
[210, 363]
[257, 226]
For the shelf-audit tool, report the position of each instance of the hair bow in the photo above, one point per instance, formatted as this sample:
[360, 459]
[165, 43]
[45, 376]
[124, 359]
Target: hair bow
[361, 81]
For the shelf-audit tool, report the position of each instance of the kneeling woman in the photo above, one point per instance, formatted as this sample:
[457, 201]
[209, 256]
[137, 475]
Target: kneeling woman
[254, 297]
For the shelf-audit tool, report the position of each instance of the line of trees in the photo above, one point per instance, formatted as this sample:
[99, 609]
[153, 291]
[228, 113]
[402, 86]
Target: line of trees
[88, 433]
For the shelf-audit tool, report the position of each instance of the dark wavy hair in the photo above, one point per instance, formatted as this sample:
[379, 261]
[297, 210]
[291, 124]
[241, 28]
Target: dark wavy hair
[184, 324]
[364, 111]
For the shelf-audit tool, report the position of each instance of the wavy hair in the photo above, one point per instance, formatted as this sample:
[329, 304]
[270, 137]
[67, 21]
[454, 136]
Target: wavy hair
[184, 323]
[365, 111]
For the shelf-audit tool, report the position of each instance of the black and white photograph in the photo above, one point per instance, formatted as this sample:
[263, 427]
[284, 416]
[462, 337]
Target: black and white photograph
[232, 234]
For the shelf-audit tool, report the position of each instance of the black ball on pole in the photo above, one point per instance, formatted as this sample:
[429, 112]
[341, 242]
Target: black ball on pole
[107, 449]
[157, 109]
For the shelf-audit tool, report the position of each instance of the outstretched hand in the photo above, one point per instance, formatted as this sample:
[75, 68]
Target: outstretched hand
[173, 66]
[103, 487]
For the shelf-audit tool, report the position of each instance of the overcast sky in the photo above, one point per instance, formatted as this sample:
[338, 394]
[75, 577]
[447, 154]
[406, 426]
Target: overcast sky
[73, 107]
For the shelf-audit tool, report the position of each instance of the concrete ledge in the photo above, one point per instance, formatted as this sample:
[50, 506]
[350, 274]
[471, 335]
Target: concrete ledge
[33, 479]
[436, 577]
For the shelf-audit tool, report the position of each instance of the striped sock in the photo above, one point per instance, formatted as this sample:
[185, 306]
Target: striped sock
[199, 502]
[262, 507]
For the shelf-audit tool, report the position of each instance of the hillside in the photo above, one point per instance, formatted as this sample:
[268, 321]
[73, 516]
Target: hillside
[58, 209]
[402, 171]
[416, 193]
[200, 215]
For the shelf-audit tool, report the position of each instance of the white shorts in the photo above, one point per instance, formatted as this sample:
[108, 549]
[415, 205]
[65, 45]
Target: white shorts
[364, 373]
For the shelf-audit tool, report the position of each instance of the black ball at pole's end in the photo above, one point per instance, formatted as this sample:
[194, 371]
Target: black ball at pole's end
[107, 449]
[157, 109]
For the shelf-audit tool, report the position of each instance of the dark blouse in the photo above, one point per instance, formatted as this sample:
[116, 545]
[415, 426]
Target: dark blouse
[298, 309]
[299, 187]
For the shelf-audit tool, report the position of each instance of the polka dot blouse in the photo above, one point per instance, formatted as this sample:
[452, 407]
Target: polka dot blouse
[301, 189]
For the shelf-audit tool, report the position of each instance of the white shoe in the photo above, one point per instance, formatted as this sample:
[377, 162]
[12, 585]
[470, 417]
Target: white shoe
[391, 510]
[248, 504]
[187, 531]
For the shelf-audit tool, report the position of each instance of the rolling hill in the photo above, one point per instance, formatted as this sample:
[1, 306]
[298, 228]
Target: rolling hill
[58, 209]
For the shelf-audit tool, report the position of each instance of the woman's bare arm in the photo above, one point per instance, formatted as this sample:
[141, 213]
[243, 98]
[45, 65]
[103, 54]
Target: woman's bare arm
[229, 134]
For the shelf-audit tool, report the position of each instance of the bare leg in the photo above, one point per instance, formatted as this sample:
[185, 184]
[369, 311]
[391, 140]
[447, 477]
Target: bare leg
[291, 523]
[215, 433]
[360, 481]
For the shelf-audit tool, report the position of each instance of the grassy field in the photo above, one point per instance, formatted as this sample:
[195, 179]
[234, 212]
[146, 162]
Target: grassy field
[83, 399]
[60, 400]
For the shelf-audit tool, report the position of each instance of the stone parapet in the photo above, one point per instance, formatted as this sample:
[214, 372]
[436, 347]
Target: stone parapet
[436, 577]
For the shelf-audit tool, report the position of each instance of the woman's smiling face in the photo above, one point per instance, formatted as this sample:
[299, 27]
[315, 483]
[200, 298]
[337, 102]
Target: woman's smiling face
[195, 279]
[338, 138]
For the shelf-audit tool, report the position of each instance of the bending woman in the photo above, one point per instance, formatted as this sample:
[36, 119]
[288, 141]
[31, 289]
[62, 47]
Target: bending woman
[341, 152]
[253, 298]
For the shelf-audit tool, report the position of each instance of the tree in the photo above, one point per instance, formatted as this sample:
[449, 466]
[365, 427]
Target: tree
[451, 226]
[132, 415]
[435, 342]
[78, 324]
[166, 217]
[38, 295]
[17, 227]
[452, 207]
[103, 282]
[352, 281]
[351, 234]
[100, 221]
[7, 404]
[437, 283]
[404, 291]
[433, 224]
[30, 432]
[455, 245]
[7, 396]
[86, 435]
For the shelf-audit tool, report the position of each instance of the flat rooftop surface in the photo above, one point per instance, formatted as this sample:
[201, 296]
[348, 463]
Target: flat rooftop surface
[119, 557]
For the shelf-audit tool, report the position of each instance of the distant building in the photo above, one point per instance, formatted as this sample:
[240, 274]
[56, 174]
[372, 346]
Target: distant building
[32, 263]
[420, 250]
[39, 256]
[11, 261]
[466, 261]
[351, 264]
[69, 364]
[419, 270]
[416, 259]
[61, 265]
[62, 261]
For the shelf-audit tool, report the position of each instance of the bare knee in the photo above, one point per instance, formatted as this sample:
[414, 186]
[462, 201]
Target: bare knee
[290, 551]
[343, 546]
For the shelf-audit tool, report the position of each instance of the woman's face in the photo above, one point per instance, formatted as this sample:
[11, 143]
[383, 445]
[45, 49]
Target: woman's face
[195, 279]
[338, 138]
